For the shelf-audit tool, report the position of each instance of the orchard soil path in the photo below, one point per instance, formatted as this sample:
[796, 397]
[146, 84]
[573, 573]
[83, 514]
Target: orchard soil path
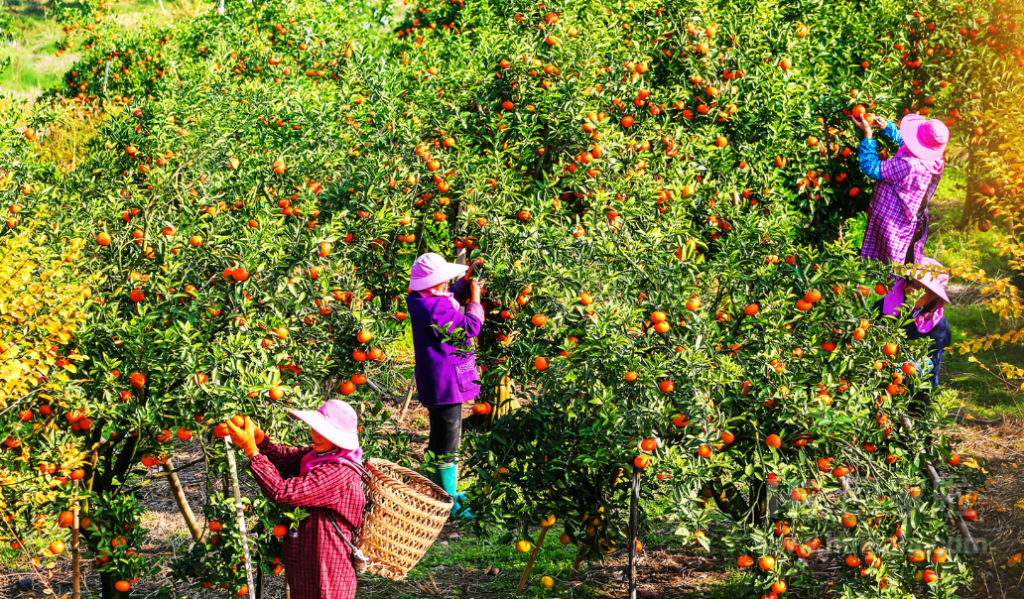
[667, 571]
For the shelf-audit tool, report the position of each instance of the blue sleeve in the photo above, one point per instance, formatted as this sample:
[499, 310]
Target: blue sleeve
[892, 133]
[870, 165]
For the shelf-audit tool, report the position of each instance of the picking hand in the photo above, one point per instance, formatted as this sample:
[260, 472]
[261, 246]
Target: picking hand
[245, 436]
[879, 122]
[475, 290]
[863, 125]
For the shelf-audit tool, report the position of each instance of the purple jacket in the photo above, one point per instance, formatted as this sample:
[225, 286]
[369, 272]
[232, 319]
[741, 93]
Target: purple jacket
[443, 377]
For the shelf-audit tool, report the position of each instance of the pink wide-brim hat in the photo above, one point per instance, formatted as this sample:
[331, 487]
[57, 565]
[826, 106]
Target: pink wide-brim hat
[932, 278]
[431, 269]
[926, 138]
[336, 421]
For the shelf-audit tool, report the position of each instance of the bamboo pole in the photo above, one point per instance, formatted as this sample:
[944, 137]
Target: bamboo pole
[182, 501]
[240, 516]
[76, 559]
[634, 517]
[408, 398]
[533, 558]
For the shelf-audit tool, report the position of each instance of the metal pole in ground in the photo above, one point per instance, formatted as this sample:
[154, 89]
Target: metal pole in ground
[634, 517]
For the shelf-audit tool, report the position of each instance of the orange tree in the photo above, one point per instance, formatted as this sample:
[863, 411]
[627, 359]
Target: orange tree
[657, 192]
[965, 59]
[42, 300]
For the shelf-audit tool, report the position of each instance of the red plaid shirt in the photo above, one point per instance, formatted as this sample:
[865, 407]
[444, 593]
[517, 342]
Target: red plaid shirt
[317, 563]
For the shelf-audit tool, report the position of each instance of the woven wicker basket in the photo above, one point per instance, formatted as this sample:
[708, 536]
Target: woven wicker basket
[406, 514]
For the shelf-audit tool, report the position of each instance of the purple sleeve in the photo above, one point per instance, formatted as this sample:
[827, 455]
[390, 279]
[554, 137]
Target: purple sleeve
[471, 321]
[460, 289]
[284, 459]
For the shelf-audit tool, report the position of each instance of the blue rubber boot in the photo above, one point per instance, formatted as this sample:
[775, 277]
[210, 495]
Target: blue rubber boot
[449, 476]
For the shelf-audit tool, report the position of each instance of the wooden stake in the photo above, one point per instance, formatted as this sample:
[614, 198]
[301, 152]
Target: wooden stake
[240, 516]
[408, 398]
[533, 557]
[76, 560]
[634, 517]
[576, 565]
[182, 501]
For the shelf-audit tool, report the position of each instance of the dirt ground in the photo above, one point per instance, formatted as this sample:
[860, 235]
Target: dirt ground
[665, 572]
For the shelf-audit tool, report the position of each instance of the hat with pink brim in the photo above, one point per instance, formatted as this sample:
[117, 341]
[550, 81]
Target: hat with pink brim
[926, 138]
[336, 421]
[932, 277]
[431, 270]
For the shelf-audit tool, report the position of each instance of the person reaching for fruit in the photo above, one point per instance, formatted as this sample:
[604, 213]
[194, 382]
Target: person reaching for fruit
[445, 374]
[898, 214]
[322, 478]
[927, 320]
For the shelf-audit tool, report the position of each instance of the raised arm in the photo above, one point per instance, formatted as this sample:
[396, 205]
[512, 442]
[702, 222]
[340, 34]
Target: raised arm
[285, 459]
[323, 486]
[444, 313]
[892, 133]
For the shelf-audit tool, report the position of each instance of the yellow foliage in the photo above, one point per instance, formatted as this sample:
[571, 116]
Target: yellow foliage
[41, 306]
[1003, 199]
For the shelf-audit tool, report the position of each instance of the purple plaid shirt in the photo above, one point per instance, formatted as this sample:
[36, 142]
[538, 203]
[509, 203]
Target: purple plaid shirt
[903, 183]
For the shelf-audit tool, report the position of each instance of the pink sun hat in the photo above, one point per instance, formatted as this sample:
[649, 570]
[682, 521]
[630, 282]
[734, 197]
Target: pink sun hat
[336, 421]
[926, 138]
[933, 278]
[431, 269]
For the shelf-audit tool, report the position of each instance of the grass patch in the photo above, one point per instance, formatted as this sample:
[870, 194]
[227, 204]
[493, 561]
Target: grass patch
[983, 392]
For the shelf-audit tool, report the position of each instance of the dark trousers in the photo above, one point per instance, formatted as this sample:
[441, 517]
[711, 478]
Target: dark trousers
[445, 431]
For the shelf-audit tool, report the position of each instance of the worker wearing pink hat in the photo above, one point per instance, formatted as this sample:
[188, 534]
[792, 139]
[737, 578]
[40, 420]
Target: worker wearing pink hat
[446, 373]
[898, 214]
[927, 315]
[322, 478]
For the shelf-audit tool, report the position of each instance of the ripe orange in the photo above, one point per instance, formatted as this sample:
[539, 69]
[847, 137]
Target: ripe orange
[751, 310]
[57, 547]
[939, 555]
[909, 368]
[849, 520]
[666, 386]
[275, 393]
[918, 556]
[659, 316]
[812, 296]
[482, 409]
[858, 111]
[704, 451]
[364, 336]
[744, 561]
[546, 582]
[631, 376]
[970, 515]
[238, 420]
[346, 388]
[103, 239]
[122, 585]
[627, 121]
[774, 441]
[785, 64]
[890, 349]
[766, 563]
[852, 561]
[641, 461]
[648, 445]
[929, 576]
[539, 320]
[137, 380]
[728, 437]
[540, 363]
[523, 546]
[954, 459]
[195, 241]
[215, 526]
[280, 530]
[779, 586]
[65, 519]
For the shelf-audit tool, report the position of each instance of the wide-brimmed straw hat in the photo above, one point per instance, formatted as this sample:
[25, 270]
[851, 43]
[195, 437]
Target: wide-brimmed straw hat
[431, 269]
[336, 421]
[926, 138]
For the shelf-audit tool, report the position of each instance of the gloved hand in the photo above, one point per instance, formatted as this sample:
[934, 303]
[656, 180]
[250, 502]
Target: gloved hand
[244, 436]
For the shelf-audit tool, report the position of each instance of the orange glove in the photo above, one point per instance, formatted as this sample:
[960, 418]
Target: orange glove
[244, 437]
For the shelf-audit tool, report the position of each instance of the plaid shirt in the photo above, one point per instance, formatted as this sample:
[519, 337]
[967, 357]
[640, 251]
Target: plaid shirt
[317, 563]
[903, 183]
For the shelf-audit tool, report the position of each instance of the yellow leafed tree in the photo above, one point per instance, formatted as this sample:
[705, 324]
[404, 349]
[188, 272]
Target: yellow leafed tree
[41, 304]
[1002, 200]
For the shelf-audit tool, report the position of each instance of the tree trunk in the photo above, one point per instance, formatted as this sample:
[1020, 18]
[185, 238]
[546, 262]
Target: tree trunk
[634, 516]
[182, 501]
[973, 188]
